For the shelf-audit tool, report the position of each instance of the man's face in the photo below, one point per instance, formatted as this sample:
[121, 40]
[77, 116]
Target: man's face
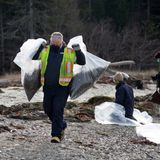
[56, 40]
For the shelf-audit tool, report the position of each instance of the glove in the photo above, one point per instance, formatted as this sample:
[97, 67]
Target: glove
[76, 47]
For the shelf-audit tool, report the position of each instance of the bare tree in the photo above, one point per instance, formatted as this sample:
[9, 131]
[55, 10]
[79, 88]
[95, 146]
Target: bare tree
[31, 29]
[2, 60]
[127, 45]
[148, 9]
[2, 33]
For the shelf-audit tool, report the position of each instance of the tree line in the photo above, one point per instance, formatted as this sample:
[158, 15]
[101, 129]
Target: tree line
[113, 30]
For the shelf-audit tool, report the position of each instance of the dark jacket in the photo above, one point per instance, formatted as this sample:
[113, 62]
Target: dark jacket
[51, 76]
[125, 97]
[157, 78]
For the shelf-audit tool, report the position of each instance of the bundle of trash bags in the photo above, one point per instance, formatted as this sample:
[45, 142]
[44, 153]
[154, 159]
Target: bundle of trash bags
[84, 76]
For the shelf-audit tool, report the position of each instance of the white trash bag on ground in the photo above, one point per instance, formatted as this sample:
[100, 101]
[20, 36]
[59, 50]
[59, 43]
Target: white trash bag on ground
[30, 69]
[85, 76]
[150, 131]
[142, 117]
[113, 113]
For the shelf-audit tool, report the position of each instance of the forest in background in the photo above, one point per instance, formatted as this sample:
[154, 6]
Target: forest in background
[114, 30]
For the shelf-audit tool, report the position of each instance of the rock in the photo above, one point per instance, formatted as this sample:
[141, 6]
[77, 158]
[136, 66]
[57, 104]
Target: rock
[1, 91]
[9, 83]
[152, 108]
[17, 126]
[4, 128]
[142, 141]
[84, 116]
[71, 105]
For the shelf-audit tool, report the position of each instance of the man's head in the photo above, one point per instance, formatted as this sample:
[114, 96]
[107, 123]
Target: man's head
[56, 39]
[118, 77]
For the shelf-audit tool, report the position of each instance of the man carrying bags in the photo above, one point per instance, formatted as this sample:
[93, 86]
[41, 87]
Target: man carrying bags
[56, 75]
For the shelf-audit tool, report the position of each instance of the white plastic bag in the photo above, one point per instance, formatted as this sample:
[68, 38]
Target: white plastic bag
[150, 131]
[142, 117]
[32, 76]
[85, 76]
[113, 113]
[27, 51]
[30, 69]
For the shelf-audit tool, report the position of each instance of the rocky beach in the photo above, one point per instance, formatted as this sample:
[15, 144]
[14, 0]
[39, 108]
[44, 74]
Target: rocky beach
[25, 129]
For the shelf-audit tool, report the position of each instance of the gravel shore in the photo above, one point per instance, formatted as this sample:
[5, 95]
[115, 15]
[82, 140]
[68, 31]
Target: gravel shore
[16, 95]
[28, 140]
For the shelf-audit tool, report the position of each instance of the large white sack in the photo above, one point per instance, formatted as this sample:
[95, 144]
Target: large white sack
[31, 79]
[85, 76]
[150, 131]
[113, 113]
[30, 69]
[142, 117]
[27, 51]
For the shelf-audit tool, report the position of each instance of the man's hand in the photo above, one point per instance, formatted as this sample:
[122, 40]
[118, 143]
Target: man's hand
[76, 47]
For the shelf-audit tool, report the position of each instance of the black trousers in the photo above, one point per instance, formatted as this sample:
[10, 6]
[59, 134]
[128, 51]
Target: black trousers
[54, 103]
[129, 112]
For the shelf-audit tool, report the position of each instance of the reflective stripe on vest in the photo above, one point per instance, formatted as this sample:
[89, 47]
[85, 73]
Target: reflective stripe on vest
[66, 69]
[69, 67]
[44, 59]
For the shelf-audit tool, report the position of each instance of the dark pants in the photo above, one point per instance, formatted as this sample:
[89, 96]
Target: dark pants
[128, 112]
[54, 103]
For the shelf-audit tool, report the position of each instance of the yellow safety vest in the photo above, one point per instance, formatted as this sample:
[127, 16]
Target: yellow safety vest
[66, 69]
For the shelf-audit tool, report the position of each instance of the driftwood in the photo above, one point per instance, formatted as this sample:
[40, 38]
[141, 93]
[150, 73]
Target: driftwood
[121, 63]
